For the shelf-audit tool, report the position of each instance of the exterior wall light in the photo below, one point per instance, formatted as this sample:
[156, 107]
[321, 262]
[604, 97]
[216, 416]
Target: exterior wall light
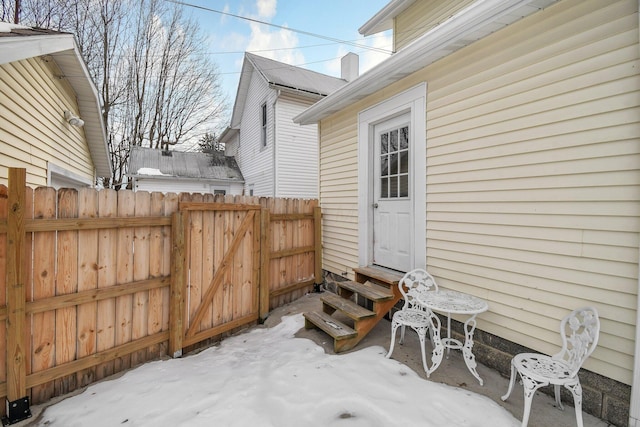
[73, 119]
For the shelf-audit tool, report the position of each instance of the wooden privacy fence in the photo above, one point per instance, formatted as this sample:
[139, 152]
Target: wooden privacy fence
[94, 282]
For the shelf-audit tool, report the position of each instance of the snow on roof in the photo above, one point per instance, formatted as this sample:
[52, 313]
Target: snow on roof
[153, 162]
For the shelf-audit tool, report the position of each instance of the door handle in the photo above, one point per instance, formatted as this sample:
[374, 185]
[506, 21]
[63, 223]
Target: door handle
[375, 206]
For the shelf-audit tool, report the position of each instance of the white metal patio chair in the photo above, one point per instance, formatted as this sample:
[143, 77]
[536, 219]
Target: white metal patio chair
[412, 314]
[579, 331]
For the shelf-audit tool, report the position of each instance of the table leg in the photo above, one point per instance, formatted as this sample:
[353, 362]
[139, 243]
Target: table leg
[438, 347]
[469, 358]
[448, 333]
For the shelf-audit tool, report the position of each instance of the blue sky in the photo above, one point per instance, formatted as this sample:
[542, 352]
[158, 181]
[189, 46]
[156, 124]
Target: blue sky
[230, 37]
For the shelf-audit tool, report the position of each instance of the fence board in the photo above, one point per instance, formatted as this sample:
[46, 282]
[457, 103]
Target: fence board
[107, 252]
[195, 261]
[3, 277]
[28, 268]
[141, 260]
[218, 254]
[87, 280]
[124, 274]
[207, 264]
[66, 283]
[156, 261]
[43, 335]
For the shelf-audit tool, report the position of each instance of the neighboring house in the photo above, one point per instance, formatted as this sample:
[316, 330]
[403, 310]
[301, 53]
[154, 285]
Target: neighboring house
[278, 158]
[183, 172]
[515, 176]
[50, 115]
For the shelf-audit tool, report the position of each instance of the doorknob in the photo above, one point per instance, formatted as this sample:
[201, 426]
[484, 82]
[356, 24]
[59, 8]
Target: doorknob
[375, 206]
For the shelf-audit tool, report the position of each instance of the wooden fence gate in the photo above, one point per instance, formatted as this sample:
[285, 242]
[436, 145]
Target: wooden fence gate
[216, 268]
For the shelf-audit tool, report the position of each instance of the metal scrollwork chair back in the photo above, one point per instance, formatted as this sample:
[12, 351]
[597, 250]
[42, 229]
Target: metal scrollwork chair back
[413, 314]
[579, 331]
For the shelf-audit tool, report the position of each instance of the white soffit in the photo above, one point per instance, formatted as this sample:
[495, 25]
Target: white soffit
[471, 24]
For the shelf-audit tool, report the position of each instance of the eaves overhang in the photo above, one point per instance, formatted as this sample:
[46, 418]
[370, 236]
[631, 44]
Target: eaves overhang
[383, 20]
[64, 51]
[471, 24]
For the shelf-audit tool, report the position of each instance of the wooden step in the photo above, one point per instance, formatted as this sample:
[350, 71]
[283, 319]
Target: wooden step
[378, 274]
[368, 290]
[336, 329]
[345, 306]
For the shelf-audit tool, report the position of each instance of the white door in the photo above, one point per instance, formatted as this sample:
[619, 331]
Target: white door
[392, 204]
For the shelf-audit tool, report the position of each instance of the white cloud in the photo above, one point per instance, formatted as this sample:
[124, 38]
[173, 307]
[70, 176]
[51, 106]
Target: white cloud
[270, 44]
[266, 8]
[371, 58]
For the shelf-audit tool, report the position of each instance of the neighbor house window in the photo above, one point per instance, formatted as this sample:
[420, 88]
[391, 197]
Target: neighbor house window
[263, 112]
[223, 192]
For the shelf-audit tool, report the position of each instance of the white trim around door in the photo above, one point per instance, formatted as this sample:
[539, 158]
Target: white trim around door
[413, 103]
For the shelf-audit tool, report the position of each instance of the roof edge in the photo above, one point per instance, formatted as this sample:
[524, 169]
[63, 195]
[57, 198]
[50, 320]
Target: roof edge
[383, 20]
[412, 57]
[32, 46]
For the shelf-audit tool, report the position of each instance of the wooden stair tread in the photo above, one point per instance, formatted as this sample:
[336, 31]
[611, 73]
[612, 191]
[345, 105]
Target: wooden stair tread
[348, 307]
[368, 290]
[386, 276]
[336, 329]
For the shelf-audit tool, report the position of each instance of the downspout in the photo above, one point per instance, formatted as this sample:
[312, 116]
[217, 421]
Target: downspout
[275, 158]
[634, 405]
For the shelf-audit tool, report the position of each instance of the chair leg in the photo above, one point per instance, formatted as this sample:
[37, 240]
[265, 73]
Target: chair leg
[576, 390]
[511, 382]
[422, 333]
[556, 391]
[394, 328]
[402, 329]
[530, 386]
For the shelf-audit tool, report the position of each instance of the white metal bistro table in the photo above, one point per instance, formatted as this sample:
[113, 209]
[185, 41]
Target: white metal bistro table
[453, 302]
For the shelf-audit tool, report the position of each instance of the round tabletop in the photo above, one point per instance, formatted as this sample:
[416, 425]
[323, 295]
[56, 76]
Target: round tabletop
[451, 301]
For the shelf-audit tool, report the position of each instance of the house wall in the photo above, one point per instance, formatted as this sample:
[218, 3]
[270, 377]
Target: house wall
[33, 131]
[296, 151]
[256, 162]
[186, 186]
[422, 16]
[533, 184]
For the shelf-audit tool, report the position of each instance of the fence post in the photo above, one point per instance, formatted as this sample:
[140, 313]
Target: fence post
[178, 281]
[17, 399]
[265, 262]
[317, 226]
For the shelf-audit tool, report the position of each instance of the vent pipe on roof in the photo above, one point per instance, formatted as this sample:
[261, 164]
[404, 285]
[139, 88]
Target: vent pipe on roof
[350, 67]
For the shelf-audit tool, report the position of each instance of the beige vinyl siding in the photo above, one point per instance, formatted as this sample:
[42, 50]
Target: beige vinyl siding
[339, 193]
[422, 16]
[533, 178]
[34, 131]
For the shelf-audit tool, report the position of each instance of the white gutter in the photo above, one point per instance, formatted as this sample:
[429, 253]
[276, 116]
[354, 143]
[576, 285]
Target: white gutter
[383, 20]
[470, 24]
[634, 405]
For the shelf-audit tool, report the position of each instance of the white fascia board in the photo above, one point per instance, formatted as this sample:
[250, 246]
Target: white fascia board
[23, 47]
[383, 20]
[433, 45]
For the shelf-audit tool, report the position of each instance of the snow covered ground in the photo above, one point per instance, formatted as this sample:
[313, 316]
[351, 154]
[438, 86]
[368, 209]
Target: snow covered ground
[266, 377]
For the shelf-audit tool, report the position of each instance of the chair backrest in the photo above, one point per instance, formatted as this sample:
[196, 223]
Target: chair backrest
[579, 330]
[412, 284]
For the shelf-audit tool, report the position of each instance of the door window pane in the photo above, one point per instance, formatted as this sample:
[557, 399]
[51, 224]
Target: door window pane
[404, 185]
[404, 138]
[384, 188]
[393, 186]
